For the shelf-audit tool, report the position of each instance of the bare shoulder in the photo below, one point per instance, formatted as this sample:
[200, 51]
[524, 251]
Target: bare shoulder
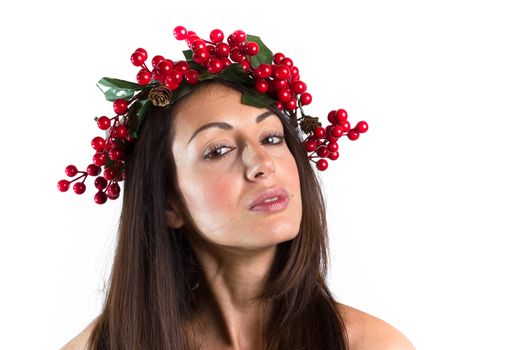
[79, 342]
[367, 332]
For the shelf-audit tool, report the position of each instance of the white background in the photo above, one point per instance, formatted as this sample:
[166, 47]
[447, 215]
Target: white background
[426, 210]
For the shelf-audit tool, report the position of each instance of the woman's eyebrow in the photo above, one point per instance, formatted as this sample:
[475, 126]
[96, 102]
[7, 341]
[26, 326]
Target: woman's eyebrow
[226, 126]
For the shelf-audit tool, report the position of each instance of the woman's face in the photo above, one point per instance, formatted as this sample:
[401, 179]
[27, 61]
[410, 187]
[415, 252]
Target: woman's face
[224, 167]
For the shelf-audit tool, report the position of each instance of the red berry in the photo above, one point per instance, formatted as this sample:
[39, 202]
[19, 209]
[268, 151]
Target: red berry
[261, 86]
[116, 154]
[215, 65]
[226, 62]
[238, 36]
[251, 49]
[63, 185]
[137, 59]
[182, 66]
[143, 77]
[345, 125]
[190, 38]
[201, 56]
[330, 138]
[353, 135]
[100, 197]
[112, 143]
[99, 159]
[246, 65]
[333, 147]
[331, 117]
[320, 132]
[110, 174]
[279, 84]
[198, 44]
[222, 50]
[79, 188]
[236, 55]
[295, 73]
[310, 145]
[93, 170]
[113, 191]
[337, 131]
[155, 60]
[143, 52]
[192, 77]
[98, 143]
[216, 36]
[323, 152]
[278, 57]
[100, 183]
[121, 131]
[71, 170]
[291, 104]
[281, 72]
[298, 87]
[287, 62]
[165, 66]
[180, 33]
[176, 75]
[306, 99]
[103, 122]
[120, 106]
[156, 75]
[283, 95]
[171, 83]
[263, 71]
[362, 126]
[279, 105]
[341, 115]
[333, 155]
[322, 164]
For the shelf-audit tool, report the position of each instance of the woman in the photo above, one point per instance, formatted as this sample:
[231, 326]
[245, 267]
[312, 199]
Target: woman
[222, 239]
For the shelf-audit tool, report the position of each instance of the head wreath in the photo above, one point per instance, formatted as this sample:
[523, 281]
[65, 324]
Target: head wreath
[244, 60]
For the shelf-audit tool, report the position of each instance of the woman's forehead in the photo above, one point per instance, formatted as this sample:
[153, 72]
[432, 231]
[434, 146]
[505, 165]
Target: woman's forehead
[213, 103]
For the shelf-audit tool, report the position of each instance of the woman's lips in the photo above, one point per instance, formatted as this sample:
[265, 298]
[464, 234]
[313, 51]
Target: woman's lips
[279, 203]
[273, 199]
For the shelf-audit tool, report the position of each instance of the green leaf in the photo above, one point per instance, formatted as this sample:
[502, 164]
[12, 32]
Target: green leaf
[236, 74]
[264, 55]
[207, 76]
[188, 54]
[144, 107]
[256, 99]
[115, 88]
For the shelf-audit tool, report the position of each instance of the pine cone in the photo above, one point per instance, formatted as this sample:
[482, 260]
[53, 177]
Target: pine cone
[160, 96]
[308, 124]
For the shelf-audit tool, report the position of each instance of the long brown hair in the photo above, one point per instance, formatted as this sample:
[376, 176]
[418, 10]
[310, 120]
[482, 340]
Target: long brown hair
[150, 297]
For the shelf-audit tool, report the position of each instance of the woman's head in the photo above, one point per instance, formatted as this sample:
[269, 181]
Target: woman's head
[170, 196]
[221, 169]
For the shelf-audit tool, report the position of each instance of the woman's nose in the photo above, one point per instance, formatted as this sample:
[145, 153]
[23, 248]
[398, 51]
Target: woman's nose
[259, 164]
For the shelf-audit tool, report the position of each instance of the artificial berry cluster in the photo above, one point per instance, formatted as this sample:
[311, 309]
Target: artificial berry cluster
[109, 154]
[271, 74]
[280, 79]
[322, 142]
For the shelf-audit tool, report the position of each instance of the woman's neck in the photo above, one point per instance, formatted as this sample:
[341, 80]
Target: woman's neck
[228, 311]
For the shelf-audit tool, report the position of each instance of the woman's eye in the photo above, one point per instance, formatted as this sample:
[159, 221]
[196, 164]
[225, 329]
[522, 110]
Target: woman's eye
[277, 139]
[221, 150]
[216, 152]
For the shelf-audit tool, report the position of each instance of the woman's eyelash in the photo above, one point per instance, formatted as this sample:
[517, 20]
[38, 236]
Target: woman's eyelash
[213, 155]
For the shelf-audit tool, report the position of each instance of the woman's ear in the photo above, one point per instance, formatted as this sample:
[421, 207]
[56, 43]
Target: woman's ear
[174, 218]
